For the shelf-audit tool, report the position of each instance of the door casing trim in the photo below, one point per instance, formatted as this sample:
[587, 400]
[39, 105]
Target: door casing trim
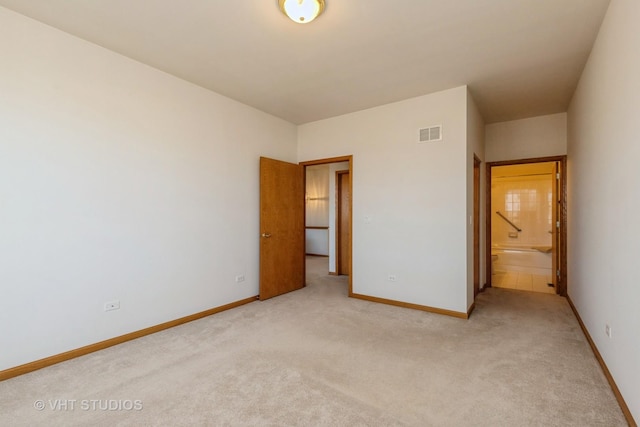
[562, 215]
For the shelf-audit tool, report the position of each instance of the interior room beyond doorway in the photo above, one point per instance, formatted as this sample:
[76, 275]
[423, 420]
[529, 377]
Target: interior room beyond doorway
[324, 235]
[523, 208]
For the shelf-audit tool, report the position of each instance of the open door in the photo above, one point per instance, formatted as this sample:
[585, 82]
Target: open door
[281, 227]
[556, 235]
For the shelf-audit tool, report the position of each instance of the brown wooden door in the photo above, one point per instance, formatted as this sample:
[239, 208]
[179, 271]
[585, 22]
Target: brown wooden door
[343, 221]
[281, 227]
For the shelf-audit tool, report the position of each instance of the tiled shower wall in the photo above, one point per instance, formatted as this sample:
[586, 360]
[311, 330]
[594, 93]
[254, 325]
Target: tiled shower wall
[527, 201]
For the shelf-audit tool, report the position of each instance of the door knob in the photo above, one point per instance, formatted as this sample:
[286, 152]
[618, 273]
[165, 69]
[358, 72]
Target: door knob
[266, 235]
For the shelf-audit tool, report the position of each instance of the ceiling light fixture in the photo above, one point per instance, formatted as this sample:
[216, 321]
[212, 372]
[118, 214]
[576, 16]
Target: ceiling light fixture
[302, 11]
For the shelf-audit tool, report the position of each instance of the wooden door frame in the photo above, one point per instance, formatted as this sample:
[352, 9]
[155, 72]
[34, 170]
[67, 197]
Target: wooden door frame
[476, 225]
[326, 161]
[561, 289]
[339, 231]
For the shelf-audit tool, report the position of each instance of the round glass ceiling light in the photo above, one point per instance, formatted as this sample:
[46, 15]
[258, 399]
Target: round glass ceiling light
[302, 11]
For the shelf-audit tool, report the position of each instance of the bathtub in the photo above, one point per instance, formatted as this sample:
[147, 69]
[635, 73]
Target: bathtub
[522, 259]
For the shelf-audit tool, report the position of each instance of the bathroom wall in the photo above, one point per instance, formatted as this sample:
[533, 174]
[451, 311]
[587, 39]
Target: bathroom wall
[524, 194]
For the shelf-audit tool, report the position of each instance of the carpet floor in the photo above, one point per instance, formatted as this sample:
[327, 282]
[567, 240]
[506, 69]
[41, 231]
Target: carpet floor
[316, 357]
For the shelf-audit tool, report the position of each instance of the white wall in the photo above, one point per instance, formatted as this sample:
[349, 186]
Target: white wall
[415, 196]
[541, 136]
[475, 147]
[316, 242]
[604, 196]
[118, 181]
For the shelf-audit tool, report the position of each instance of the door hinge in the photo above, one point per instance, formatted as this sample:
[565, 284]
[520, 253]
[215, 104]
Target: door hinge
[558, 224]
[558, 273]
[558, 175]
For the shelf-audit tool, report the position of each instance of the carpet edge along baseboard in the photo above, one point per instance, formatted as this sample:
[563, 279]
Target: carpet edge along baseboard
[458, 314]
[72, 354]
[614, 387]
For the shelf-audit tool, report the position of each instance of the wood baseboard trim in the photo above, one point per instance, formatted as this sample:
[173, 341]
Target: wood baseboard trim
[470, 310]
[72, 354]
[603, 365]
[457, 314]
[320, 255]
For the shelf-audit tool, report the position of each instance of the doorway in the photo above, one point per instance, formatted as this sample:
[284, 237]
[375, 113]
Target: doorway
[328, 216]
[283, 208]
[526, 225]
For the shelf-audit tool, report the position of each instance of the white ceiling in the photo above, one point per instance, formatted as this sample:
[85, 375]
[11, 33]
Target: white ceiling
[520, 58]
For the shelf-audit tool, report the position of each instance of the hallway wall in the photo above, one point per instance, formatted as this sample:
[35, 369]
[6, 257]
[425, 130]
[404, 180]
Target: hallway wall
[409, 198]
[542, 136]
[604, 197]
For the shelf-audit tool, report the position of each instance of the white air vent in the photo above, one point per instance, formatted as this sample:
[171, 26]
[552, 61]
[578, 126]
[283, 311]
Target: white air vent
[433, 133]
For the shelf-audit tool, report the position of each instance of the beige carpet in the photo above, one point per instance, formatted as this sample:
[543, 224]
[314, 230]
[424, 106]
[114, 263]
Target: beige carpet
[315, 357]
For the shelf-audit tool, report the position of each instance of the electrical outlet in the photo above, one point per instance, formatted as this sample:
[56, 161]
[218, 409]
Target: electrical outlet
[392, 278]
[607, 330]
[240, 278]
[112, 305]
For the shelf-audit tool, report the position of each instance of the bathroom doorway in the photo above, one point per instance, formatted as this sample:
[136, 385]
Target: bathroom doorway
[526, 225]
